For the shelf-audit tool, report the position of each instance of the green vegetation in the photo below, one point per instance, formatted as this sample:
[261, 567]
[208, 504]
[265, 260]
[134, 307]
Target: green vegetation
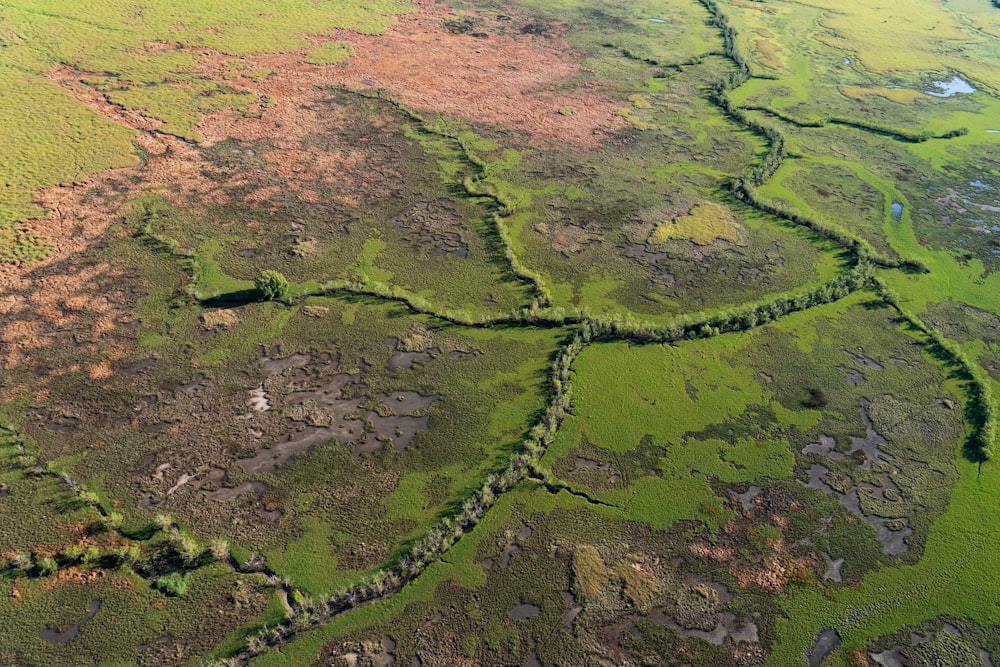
[707, 375]
[331, 53]
[981, 406]
[140, 60]
[46, 139]
[703, 225]
[270, 285]
[173, 583]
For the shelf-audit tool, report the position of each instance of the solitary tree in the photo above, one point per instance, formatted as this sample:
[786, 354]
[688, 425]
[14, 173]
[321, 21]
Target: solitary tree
[271, 285]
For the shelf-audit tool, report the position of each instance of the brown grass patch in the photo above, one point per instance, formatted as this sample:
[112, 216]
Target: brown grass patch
[515, 82]
[58, 304]
[510, 81]
[71, 80]
[70, 575]
[100, 371]
[589, 572]
[769, 566]
[219, 319]
[770, 54]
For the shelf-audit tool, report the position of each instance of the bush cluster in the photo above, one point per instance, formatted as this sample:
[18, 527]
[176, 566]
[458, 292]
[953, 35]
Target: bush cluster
[270, 285]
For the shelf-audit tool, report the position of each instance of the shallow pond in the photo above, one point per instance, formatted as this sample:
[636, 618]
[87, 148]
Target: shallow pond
[524, 611]
[826, 642]
[897, 210]
[949, 88]
[53, 636]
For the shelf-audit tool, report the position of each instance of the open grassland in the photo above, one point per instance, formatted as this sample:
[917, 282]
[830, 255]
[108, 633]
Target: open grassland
[131, 623]
[47, 138]
[395, 211]
[947, 581]
[532, 583]
[633, 229]
[613, 330]
[706, 413]
[709, 473]
[143, 61]
[838, 69]
[926, 35]
[659, 31]
[937, 199]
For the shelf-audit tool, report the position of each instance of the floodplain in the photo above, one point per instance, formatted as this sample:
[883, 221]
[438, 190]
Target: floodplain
[603, 333]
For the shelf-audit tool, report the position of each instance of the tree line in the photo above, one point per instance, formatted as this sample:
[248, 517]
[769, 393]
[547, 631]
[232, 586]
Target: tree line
[744, 188]
[981, 407]
[874, 128]
[306, 612]
[741, 318]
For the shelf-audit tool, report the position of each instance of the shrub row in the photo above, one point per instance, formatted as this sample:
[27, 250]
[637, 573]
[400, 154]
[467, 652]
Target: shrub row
[534, 314]
[632, 55]
[720, 20]
[306, 612]
[757, 175]
[44, 563]
[126, 553]
[417, 304]
[860, 248]
[884, 130]
[738, 319]
[474, 188]
[981, 408]
[147, 213]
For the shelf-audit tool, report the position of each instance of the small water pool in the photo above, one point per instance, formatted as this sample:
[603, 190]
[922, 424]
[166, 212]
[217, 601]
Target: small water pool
[949, 88]
[658, 20]
[897, 210]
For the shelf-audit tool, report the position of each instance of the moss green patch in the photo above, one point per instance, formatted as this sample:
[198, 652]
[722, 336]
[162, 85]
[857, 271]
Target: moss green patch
[331, 53]
[703, 224]
[630, 392]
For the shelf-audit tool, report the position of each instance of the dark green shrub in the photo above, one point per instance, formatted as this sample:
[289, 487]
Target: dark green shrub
[817, 399]
[46, 565]
[174, 584]
[271, 285]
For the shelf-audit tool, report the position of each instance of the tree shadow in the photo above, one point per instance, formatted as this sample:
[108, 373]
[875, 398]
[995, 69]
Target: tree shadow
[913, 267]
[874, 304]
[972, 450]
[232, 299]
